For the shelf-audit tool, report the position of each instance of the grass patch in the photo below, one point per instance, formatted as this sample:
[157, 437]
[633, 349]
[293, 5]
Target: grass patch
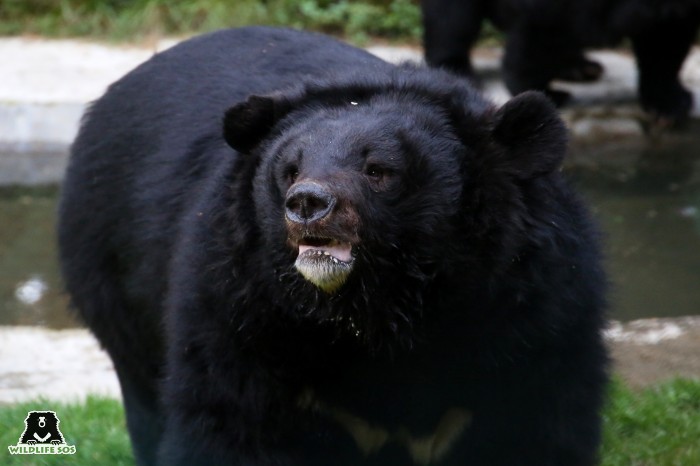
[133, 20]
[659, 426]
[656, 427]
[97, 428]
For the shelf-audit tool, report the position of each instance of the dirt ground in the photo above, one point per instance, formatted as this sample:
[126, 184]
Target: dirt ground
[645, 352]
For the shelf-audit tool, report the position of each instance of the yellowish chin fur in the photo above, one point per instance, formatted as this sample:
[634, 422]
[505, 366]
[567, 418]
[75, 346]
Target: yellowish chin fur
[323, 271]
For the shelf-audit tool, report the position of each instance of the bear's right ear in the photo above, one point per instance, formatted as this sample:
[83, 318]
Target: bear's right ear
[247, 123]
[534, 136]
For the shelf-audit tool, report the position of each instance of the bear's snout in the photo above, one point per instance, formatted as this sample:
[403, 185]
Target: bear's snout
[308, 202]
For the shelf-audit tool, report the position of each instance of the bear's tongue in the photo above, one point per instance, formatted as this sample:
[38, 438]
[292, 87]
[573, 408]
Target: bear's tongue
[341, 251]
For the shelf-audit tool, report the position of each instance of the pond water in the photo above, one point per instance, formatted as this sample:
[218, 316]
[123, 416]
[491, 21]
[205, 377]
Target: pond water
[30, 290]
[647, 198]
[646, 195]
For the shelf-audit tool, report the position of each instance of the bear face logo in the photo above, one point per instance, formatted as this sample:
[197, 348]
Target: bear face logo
[41, 427]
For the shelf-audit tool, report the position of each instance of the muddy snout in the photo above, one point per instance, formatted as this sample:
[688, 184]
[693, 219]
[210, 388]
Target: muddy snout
[323, 230]
[308, 202]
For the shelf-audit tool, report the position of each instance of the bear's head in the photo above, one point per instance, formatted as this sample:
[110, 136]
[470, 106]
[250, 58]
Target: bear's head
[367, 191]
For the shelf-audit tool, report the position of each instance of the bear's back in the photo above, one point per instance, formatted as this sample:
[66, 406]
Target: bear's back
[185, 90]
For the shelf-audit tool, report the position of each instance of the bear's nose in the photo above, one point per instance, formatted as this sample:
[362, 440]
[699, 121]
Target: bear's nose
[307, 202]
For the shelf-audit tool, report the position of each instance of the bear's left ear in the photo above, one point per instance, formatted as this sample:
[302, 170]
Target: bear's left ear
[247, 123]
[530, 129]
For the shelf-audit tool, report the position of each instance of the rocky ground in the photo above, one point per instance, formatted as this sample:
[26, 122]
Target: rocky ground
[69, 364]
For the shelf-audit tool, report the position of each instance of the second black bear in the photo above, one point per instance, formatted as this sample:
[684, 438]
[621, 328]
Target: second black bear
[546, 38]
[297, 254]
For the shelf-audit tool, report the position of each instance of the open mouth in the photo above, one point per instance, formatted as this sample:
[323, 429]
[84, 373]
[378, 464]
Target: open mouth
[325, 262]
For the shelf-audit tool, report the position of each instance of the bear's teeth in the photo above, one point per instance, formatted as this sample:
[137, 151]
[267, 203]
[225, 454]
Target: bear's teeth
[337, 251]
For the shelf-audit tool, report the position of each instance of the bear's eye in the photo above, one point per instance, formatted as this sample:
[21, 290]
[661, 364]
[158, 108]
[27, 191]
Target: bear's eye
[375, 172]
[380, 178]
[291, 174]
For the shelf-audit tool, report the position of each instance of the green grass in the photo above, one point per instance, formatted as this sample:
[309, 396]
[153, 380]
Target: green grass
[96, 428]
[655, 427]
[659, 426]
[134, 20]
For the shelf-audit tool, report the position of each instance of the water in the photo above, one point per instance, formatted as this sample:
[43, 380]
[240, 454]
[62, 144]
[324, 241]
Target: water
[645, 194]
[647, 198]
[30, 290]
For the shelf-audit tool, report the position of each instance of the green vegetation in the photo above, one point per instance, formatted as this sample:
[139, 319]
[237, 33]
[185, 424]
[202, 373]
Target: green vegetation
[96, 428]
[135, 20]
[655, 427]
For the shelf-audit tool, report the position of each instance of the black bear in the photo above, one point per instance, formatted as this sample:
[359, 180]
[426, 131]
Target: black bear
[41, 427]
[546, 39]
[298, 254]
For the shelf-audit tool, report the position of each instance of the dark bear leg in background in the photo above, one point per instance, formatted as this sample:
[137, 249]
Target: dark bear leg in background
[660, 52]
[451, 28]
[143, 418]
[534, 56]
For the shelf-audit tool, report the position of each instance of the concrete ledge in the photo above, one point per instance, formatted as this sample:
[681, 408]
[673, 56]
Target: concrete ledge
[647, 351]
[55, 364]
[33, 126]
[41, 164]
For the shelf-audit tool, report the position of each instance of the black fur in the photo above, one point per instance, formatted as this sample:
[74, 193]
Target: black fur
[476, 286]
[546, 39]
